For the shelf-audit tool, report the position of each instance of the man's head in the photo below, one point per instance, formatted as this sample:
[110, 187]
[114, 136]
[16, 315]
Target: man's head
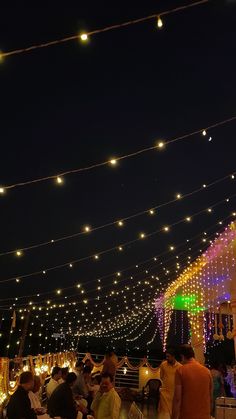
[27, 380]
[79, 366]
[71, 378]
[56, 373]
[186, 352]
[106, 382]
[170, 356]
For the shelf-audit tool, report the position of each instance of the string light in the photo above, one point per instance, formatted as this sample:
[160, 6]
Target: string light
[59, 180]
[166, 228]
[114, 161]
[178, 196]
[142, 235]
[151, 212]
[161, 144]
[2, 190]
[18, 253]
[159, 22]
[188, 219]
[87, 229]
[84, 37]
[204, 133]
[120, 223]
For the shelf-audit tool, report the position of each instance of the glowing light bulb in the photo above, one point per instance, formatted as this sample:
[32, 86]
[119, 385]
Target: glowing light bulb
[59, 180]
[204, 185]
[178, 196]
[161, 144]
[44, 272]
[209, 210]
[78, 285]
[18, 253]
[204, 133]
[142, 235]
[120, 223]
[113, 162]
[159, 22]
[120, 248]
[188, 219]
[232, 177]
[2, 190]
[84, 37]
[172, 248]
[96, 257]
[17, 280]
[70, 265]
[151, 212]
[58, 291]
[166, 228]
[87, 229]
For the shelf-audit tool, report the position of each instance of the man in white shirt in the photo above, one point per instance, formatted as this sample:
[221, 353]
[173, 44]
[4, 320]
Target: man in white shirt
[106, 404]
[54, 381]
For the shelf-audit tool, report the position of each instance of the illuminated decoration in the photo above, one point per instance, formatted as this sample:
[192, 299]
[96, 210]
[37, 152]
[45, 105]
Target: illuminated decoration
[114, 161]
[161, 144]
[59, 180]
[159, 22]
[102, 30]
[84, 37]
[178, 196]
[204, 133]
[19, 253]
[2, 190]
[87, 229]
[201, 290]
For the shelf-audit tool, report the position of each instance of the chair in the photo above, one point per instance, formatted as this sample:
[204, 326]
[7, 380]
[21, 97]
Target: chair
[150, 392]
[134, 412]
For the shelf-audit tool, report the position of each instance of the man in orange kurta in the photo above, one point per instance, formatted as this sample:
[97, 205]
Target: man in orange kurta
[193, 388]
[167, 373]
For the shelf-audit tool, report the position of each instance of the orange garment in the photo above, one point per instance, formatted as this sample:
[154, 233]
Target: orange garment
[167, 374]
[196, 383]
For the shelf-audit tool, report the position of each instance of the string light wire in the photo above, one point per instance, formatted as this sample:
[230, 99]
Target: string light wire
[98, 31]
[109, 224]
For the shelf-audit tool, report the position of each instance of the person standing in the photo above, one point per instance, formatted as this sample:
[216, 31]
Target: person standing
[109, 366]
[168, 369]
[19, 405]
[106, 404]
[54, 381]
[193, 388]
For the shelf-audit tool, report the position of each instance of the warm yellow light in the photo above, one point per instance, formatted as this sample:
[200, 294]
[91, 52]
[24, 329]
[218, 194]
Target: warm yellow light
[78, 285]
[113, 162]
[209, 210]
[18, 253]
[178, 196]
[204, 133]
[151, 212]
[87, 229]
[58, 291]
[59, 180]
[120, 248]
[2, 190]
[204, 185]
[172, 248]
[96, 257]
[85, 301]
[234, 214]
[120, 223]
[142, 235]
[232, 177]
[188, 219]
[70, 265]
[17, 280]
[166, 228]
[84, 37]
[161, 144]
[159, 22]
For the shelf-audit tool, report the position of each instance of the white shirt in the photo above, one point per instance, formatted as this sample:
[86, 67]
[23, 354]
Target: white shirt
[106, 405]
[51, 387]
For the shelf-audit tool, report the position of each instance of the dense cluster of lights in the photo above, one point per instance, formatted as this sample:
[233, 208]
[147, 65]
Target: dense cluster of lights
[204, 286]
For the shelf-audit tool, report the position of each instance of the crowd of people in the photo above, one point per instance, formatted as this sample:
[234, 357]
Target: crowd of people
[72, 395]
[188, 390]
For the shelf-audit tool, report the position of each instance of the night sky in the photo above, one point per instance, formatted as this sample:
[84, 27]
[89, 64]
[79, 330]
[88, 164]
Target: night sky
[77, 104]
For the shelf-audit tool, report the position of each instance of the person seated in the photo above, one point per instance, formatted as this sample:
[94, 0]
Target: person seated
[106, 404]
[64, 373]
[54, 381]
[19, 405]
[61, 402]
[35, 399]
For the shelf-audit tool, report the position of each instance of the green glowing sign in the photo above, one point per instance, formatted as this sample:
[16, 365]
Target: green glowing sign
[186, 302]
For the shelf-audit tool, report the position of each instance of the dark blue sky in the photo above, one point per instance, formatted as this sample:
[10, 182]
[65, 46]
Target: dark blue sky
[72, 105]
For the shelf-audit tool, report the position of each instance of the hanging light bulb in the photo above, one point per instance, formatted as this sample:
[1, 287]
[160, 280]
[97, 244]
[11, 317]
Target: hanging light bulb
[2, 190]
[18, 253]
[159, 22]
[59, 180]
[84, 37]
[204, 133]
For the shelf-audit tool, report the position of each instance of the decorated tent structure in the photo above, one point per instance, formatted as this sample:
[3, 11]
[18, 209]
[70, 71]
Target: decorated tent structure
[206, 290]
